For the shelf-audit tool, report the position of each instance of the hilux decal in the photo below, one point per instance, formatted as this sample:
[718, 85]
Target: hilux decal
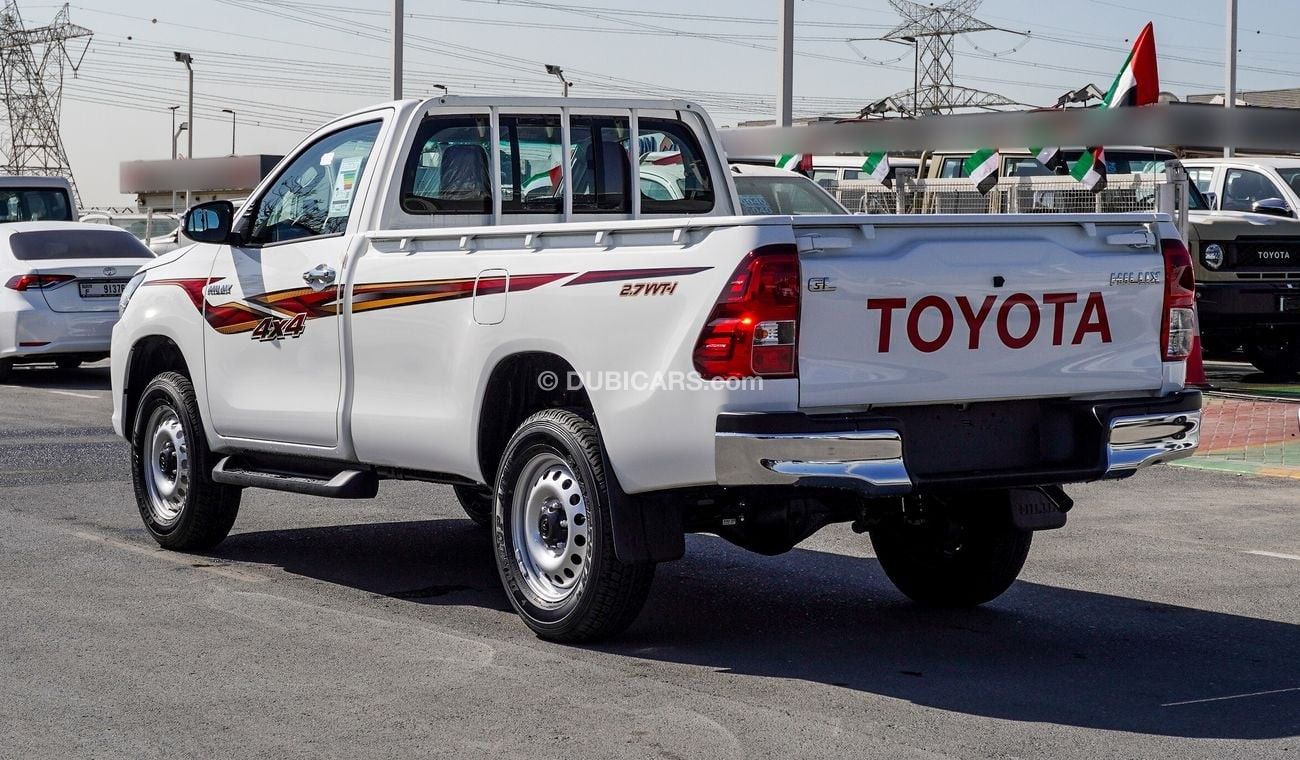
[284, 313]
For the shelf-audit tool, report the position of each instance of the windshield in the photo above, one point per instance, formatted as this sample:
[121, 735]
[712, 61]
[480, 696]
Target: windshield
[34, 204]
[783, 195]
[1117, 162]
[159, 227]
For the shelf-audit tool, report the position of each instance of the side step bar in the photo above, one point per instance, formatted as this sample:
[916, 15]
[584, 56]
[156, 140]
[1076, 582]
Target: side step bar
[344, 484]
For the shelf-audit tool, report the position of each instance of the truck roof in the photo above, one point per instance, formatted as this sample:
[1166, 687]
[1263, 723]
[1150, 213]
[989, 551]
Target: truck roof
[1273, 162]
[517, 101]
[14, 180]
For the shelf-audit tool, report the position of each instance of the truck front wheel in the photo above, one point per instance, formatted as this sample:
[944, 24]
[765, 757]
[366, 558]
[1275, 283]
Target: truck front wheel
[962, 552]
[552, 534]
[171, 469]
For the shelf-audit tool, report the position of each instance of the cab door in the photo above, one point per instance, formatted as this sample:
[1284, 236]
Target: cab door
[273, 338]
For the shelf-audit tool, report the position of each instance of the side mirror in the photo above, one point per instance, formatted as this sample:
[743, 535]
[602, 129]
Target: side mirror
[1211, 200]
[209, 222]
[1272, 207]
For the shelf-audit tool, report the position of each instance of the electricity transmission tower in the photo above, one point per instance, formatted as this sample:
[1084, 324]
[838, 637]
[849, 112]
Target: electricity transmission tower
[931, 29]
[31, 70]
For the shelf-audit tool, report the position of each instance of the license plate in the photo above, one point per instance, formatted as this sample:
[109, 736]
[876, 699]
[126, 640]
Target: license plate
[101, 289]
[1289, 303]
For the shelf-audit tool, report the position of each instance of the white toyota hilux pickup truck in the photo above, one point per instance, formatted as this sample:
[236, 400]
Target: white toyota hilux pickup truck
[481, 293]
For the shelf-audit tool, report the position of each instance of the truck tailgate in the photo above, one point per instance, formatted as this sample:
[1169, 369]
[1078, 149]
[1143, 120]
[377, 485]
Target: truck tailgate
[941, 309]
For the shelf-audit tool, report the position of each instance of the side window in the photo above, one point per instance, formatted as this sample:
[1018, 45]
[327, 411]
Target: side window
[600, 164]
[314, 195]
[852, 174]
[531, 156]
[669, 154]
[1243, 188]
[448, 169]
[1201, 177]
[953, 168]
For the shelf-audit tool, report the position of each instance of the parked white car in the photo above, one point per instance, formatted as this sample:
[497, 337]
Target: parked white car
[60, 283]
[599, 372]
[767, 190]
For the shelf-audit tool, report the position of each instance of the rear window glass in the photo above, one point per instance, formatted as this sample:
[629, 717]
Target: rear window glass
[29, 204]
[47, 245]
[671, 159]
[783, 195]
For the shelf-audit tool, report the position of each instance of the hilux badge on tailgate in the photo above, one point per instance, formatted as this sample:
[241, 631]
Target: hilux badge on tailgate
[1151, 277]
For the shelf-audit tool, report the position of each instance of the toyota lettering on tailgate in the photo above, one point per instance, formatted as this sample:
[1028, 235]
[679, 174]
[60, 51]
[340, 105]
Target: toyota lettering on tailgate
[1015, 321]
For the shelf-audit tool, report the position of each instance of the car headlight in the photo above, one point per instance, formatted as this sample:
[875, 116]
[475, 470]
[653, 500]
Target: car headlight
[130, 291]
[1212, 255]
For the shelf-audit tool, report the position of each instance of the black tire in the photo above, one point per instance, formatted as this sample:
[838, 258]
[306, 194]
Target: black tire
[605, 595]
[1278, 357]
[477, 504]
[205, 511]
[960, 557]
[66, 364]
[6, 369]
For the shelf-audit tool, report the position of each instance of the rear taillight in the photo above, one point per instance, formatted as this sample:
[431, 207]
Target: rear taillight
[37, 281]
[754, 325]
[1178, 323]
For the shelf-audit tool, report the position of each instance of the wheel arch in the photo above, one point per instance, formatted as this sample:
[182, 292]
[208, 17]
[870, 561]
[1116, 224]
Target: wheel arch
[645, 529]
[150, 356]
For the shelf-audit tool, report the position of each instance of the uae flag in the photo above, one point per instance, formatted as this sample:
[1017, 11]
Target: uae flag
[795, 162]
[1090, 169]
[877, 167]
[1051, 158]
[1138, 83]
[982, 168]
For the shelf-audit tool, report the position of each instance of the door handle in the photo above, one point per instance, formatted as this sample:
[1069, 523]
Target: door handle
[319, 276]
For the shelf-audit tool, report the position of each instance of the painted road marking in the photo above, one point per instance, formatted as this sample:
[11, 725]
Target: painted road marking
[1274, 555]
[70, 393]
[185, 560]
[1234, 696]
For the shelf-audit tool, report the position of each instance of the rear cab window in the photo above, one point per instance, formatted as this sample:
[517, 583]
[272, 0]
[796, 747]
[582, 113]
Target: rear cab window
[450, 166]
[54, 245]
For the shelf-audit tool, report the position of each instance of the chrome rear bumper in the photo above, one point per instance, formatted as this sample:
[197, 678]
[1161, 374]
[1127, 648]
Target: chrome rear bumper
[874, 461]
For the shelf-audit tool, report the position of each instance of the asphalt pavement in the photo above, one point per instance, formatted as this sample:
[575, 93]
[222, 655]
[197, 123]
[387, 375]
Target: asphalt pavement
[1163, 621]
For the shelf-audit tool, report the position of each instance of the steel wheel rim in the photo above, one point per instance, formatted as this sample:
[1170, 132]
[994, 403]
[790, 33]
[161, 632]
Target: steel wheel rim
[166, 466]
[550, 526]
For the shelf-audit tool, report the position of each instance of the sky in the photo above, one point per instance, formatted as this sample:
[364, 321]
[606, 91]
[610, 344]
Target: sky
[287, 66]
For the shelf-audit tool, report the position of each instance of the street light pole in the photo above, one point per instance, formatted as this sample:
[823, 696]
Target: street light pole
[398, 38]
[785, 59]
[232, 129]
[176, 136]
[558, 73]
[188, 60]
[173, 133]
[1230, 66]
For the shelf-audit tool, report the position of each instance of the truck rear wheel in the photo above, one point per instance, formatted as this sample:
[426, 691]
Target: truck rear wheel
[477, 504]
[171, 468]
[960, 555]
[1277, 356]
[552, 533]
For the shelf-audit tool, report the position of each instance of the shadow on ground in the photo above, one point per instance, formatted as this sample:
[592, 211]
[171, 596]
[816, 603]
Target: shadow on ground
[1040, 653]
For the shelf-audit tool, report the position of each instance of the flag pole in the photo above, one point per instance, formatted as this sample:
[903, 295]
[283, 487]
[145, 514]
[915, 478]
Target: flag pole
[1230, 67]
